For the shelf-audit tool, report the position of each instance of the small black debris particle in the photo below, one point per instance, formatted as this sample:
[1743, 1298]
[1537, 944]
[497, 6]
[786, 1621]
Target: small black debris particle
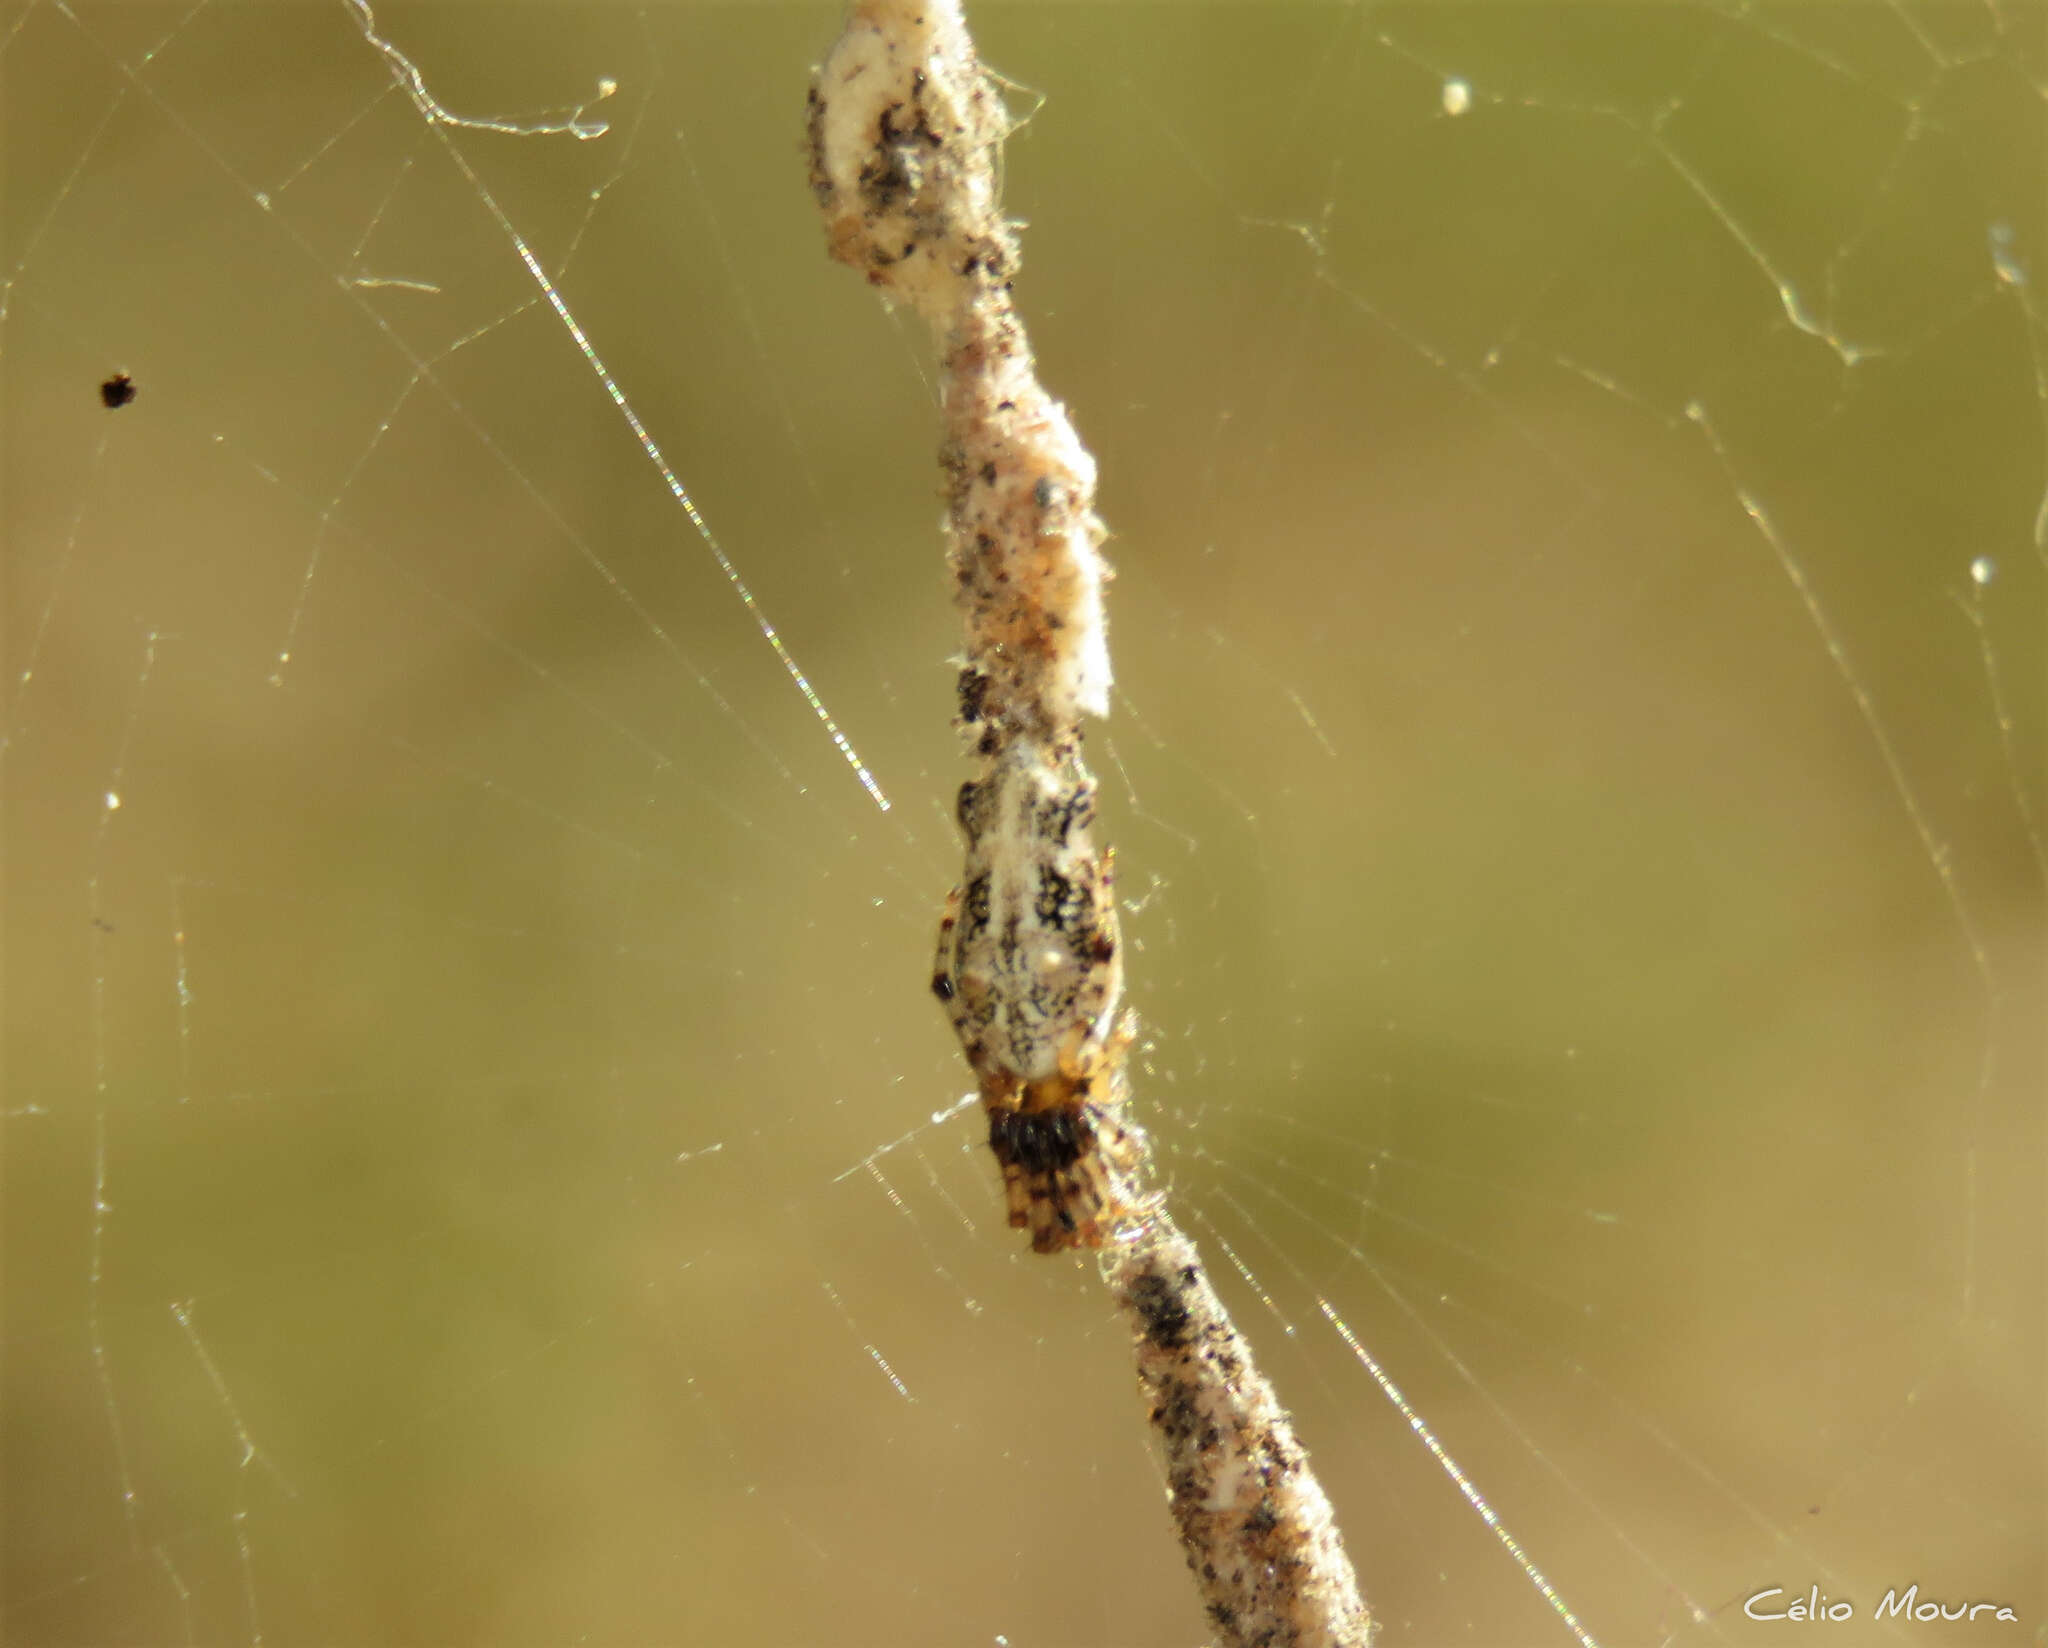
[1166, 1317]
[117, 391]
[973, 685]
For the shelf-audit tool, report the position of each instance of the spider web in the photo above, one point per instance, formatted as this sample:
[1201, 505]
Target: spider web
[480, 1161]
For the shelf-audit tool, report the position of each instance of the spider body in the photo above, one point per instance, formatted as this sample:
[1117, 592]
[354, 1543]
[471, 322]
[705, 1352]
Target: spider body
[1029, 971]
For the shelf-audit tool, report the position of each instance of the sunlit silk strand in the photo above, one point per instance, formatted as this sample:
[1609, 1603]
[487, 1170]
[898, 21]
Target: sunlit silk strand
[415, 87]
[682, 496]
[1451, 1468]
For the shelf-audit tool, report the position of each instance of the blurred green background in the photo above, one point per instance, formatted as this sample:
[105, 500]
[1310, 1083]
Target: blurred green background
[1581, 812]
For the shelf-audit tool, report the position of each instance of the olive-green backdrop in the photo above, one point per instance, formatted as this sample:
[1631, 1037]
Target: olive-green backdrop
[469, 1163]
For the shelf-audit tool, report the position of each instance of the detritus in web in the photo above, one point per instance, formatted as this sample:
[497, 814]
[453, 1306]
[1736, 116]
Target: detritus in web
[481, 1163]
[904, 131]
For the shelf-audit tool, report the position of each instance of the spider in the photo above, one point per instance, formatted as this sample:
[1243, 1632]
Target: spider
[1029, 971]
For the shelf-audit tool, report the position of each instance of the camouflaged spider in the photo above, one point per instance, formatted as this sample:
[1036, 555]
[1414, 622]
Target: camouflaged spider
[1029, 971]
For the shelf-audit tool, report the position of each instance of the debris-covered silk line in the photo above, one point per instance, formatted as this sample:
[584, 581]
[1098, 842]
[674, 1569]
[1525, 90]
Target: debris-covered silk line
[905, 130]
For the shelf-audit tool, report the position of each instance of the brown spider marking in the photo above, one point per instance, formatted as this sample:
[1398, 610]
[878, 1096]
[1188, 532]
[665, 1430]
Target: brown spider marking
[1067, 1157]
